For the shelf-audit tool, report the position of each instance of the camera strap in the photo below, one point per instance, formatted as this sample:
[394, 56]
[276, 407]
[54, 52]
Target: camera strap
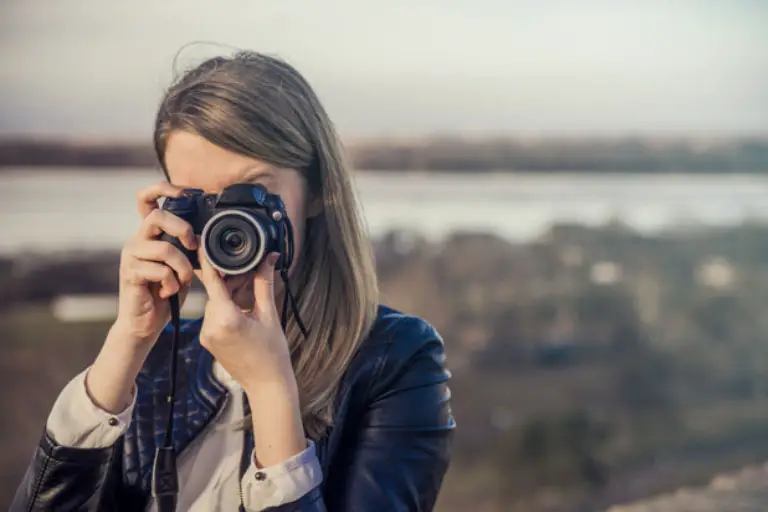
[165, 480]
[288, 297]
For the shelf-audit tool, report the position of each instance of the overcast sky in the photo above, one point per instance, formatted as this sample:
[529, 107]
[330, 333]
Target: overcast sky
[401, 67]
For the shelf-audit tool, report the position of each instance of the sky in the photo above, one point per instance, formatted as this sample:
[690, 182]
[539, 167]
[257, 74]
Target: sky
[90, 68]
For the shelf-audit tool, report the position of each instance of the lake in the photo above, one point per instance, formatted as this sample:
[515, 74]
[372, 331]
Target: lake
[69, 209]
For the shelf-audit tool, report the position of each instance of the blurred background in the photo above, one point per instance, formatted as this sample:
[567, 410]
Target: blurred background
[573, 193]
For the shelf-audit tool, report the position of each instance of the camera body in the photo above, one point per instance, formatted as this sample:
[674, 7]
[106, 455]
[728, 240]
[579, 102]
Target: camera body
[238, 227]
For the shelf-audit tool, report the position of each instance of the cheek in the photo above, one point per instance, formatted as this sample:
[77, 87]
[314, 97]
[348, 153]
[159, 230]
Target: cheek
[298, 224]
[295, 208]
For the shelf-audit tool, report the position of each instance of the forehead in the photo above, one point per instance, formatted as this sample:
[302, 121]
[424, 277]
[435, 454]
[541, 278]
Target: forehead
[194, 162]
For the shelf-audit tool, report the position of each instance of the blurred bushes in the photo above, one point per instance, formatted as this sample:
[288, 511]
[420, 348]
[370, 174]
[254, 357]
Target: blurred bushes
[553, 451]
[584, 361]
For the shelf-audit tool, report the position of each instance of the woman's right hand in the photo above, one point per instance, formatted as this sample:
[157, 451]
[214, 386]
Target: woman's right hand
[146, 282]
[152, 270]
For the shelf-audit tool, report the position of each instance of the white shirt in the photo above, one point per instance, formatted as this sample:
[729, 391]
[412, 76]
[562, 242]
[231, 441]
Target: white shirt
[208, 469]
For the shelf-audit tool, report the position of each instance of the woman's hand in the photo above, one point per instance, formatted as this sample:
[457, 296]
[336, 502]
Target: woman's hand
[147, 279]
[152, 270]
[252, 347]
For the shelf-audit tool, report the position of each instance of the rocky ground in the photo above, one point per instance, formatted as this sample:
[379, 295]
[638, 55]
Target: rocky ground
[742, 491]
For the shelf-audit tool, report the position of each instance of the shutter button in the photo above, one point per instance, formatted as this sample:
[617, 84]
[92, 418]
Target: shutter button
[113, 422]
[260, 475]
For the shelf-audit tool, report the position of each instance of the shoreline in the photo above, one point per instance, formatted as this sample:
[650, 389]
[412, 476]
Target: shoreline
[645, 155]
[9, 169]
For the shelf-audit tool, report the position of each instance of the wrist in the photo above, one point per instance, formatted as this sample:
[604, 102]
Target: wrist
[273, 378]
[278, 431]
[112, 376]
[125, 335]
[279, 392]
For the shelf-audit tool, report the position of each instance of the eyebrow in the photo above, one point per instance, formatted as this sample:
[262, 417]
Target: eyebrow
[255, 173]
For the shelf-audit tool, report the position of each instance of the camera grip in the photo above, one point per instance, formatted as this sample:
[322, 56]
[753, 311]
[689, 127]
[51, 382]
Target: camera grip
[191, 255]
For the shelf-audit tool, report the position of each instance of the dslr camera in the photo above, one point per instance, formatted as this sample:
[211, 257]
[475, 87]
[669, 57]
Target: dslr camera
[238, 227]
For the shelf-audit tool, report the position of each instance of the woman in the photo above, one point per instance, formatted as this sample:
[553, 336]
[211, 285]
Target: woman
[353, 417]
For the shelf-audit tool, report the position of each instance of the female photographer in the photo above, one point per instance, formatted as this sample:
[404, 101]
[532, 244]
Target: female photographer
[352, 416]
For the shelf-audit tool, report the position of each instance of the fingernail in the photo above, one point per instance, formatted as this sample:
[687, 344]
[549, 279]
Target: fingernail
[273, 258]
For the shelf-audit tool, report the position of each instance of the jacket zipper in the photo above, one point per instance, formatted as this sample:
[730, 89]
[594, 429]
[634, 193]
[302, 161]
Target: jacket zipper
[240, 465]
[240, 492]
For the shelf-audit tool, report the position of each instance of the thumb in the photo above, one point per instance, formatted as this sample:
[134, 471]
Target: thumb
[264, 285]
[214, 284]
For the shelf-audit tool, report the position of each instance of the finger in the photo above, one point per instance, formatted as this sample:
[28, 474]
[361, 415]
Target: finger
[184, 292]
[160, 221]
[146, 198]
[163, 252]
[143, 272]
[212, 281]
[264, 285]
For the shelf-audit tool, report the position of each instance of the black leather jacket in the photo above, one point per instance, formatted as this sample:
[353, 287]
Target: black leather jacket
[388, 450]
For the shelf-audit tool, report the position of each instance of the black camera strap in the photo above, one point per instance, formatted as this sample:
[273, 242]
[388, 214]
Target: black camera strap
[285, 262]
[165, 480]
[288, 296]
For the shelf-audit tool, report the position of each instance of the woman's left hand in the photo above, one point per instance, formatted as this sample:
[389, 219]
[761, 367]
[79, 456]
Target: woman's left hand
[250, 345]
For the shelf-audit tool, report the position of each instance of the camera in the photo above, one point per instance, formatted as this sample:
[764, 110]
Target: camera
[238, 227]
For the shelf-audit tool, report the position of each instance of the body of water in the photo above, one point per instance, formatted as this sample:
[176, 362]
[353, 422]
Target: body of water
[71, 209]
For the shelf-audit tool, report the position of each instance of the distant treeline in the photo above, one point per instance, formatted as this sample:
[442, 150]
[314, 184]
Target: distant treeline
[456, 154]
[75, 154]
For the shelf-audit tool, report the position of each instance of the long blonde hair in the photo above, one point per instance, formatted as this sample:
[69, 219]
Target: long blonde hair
[260, 106]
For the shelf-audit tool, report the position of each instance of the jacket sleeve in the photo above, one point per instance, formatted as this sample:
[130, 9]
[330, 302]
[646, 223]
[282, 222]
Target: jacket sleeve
[77, 422]
[71, 463]
[401, 447]
[63, 478]
[286, 482]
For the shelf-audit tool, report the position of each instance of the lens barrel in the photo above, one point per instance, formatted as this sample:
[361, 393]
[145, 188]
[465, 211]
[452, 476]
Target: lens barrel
[235, 241]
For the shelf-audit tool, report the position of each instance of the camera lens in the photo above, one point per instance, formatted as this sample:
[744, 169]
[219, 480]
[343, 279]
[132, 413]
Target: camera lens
[234, 241]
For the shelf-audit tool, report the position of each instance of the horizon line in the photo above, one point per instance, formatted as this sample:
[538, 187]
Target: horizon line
[423, 137]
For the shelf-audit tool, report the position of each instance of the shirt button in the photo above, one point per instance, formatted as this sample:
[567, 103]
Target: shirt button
[113, 422]
[260, 475]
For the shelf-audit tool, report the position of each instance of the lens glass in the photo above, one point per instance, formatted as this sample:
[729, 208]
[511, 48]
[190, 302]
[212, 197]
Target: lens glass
[234, 240]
